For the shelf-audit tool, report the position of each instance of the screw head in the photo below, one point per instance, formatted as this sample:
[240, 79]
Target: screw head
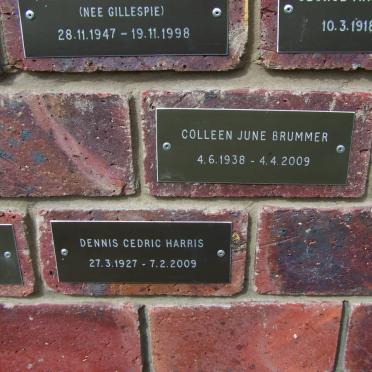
[64, 252]
[167, 146]
[7, 254]
[216, 12]
[221, 253]
[30, 14]
[340, 149]
[288, 9]
[235, 238]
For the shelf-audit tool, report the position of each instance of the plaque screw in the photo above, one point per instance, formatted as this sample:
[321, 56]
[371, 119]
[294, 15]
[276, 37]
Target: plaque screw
[288, 9]
[340, 149]
[30, 14]
[221, 253]
[167, 146]
[64, 252]
[216, 12]
[235, 238]
[7, 254]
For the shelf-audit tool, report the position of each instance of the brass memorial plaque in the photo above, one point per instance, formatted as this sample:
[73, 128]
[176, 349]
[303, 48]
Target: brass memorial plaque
[253, 146]
[10, 272]
[80, 28]
[142, 252]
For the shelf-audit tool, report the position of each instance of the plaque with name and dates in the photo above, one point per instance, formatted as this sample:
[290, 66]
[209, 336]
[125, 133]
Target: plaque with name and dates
[10, 272]
[337, 26]
[142, 252]
[253, 146]
[80, 28]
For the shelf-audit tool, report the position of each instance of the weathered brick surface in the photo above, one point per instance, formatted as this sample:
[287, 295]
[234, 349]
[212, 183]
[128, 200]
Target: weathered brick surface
[17, 219]
[238, 34]
[288, 61]
[69, 338]
[359, 339]
[314, 251]
[244, 337]
[65, 144]
[48, 262]
[361, 103]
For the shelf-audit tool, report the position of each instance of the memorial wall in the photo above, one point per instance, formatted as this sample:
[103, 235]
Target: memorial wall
[185, 185]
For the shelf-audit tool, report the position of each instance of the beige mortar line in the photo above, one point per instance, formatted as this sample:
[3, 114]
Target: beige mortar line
[255, 77]
[39, 282]
[56, 298]
[339, 365]
[140, 143]
[149, 202]
[254, 215]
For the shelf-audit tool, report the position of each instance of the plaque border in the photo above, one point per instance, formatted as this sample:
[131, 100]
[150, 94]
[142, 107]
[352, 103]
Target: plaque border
[225, 54]
[230, 223]
[249, 110]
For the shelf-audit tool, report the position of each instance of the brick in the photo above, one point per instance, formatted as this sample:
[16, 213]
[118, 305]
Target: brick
[271, 59]
[82, 337]
[17, 219]
[314, 251]
[238, 35]
[48, 264]
[358, 356]
[261, 99]
[65, 144]
[245, 336]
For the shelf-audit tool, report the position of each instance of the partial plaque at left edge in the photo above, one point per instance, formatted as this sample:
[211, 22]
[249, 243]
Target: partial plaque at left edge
[10, 272]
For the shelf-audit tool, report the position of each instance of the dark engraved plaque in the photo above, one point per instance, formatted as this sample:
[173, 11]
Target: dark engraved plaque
[253, 146]
[337, 26]
[142, 252]
[10, 272]
[73, 28]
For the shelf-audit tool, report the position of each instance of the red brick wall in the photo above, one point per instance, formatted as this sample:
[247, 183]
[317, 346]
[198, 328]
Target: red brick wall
[82, 146]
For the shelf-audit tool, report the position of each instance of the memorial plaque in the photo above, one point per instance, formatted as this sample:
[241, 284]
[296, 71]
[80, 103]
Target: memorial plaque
[79, 28]
[253, 146]
[142, 252]
[337, 26]
[10, 272]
